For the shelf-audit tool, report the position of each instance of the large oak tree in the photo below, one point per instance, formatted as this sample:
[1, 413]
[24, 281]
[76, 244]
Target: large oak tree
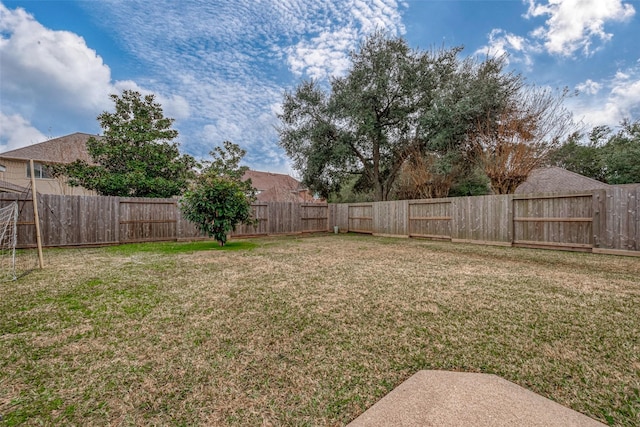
[394, 102]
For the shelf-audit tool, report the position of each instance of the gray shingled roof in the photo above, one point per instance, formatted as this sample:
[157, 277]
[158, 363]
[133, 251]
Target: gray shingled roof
[263, 181]
[64, 149]
[555, 179]
[277, 187]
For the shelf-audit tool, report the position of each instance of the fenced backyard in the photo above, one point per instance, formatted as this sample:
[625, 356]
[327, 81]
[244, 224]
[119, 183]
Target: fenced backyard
[603, 221]
[309, 331]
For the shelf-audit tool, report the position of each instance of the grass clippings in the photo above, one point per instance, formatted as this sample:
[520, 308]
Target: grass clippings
[309, 331]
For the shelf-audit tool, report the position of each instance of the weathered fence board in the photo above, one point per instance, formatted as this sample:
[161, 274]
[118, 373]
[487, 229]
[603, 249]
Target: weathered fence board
[314, 217]
[598, 221]
[97, 220]
[554, 220]
[390, 218]
[25, 224]
[144, 219]
[430, 218]
[261, 215]
[483, 219]
[622, 224]
[360, 217]
[595, 221]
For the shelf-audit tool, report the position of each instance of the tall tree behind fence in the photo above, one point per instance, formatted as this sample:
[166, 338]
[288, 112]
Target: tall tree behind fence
[603, 221]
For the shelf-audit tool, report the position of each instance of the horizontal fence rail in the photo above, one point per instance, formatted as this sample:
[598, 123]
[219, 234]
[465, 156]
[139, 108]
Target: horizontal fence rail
[101, 220]
[602, 221]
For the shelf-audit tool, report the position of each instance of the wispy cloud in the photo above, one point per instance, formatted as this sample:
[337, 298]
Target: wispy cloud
[574, 25]
[609, 101]
[232, 60]
[517, 49]
[589, 87]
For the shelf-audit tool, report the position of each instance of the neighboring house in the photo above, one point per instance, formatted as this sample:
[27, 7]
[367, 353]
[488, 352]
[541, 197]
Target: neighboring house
[276, 187]
[555, 179]
[15, 173]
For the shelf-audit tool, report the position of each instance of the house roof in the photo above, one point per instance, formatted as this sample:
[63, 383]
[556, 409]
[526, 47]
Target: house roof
[9, 187]
[263, 181]
[64, 149]
[555, 179]
[277, 187]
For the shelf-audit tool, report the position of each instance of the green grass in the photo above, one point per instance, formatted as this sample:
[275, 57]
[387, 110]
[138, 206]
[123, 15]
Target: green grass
[309, 331]
[181, 247]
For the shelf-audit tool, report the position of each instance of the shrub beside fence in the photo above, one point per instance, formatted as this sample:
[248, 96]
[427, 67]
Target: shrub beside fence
[101, 220]
[605, 221]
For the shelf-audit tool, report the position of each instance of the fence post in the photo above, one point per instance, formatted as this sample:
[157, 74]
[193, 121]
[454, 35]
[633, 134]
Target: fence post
[599, 214]
[116, 218]
[510, 222]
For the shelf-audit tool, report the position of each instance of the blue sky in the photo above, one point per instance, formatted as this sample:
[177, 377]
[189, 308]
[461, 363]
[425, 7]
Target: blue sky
[220, 67]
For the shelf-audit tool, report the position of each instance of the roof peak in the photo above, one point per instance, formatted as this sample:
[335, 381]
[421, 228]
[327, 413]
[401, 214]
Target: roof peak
[63, 149]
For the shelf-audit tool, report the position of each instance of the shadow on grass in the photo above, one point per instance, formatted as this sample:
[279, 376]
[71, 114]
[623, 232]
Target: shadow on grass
[180, 247]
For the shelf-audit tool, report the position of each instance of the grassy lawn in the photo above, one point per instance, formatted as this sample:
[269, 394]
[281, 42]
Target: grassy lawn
[309, 331]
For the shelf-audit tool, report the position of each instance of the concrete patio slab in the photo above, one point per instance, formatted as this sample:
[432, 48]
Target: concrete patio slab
[440, 398]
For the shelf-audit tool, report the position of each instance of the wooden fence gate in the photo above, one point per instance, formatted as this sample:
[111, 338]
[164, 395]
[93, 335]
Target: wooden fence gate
[360, 218]
[146, 220]
[562, 221]
[430, 219]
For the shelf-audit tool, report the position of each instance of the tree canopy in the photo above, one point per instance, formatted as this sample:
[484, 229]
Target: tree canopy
[602, 154]
[219, 199]
[136, 155]
[394, 103]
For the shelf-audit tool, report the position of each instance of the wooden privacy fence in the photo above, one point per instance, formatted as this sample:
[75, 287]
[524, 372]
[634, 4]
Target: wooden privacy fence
[604, 221]
[101, 220]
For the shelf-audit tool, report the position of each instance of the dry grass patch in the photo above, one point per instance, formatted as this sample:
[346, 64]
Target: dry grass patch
[309, 331]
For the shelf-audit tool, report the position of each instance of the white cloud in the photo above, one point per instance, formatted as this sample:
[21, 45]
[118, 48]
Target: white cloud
[615, 99]
[174, 106]
[589, 87]
[16, 132]
[232, 60]
[55, 68]
[219, 67]
[573, 25]
[326, 54]
[323, 56]
[52, 80]
[517, 48]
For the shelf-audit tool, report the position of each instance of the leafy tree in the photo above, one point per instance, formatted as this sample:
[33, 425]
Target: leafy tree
[582, 158]
[219, 199]
[350, 192]
[613, 158]
[473, 183]
[394, 102]
[621, 155]
[135, 156]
